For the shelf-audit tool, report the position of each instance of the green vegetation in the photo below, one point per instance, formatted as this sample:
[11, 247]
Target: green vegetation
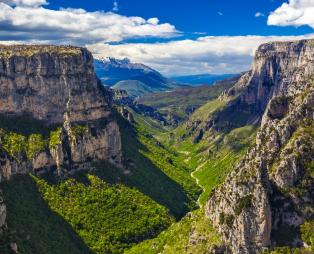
[148, 124]
[33, 225]
[154, 170]
[243, 202]
[192, 234]
[179, 101]
[211, 159]
[226, 219]
[108, 218]
[35, 144]
[14, 143]
[288, 250]
[307, 233]
[79, 130]
[215, 156]
[76, 132]
[229, 220]
[17, 144]
[55, 138]
[68, 216]
[168, 162]
[133, 87]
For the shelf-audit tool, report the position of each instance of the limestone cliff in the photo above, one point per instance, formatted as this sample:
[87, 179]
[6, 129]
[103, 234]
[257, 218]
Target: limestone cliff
[57, 86]
[270, 193]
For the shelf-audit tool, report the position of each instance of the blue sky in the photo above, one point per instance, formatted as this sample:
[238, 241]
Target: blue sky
[175, 37]
[190, 16]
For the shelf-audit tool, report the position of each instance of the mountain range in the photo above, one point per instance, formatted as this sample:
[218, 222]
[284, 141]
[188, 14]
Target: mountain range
[136, 79]
[201, 79]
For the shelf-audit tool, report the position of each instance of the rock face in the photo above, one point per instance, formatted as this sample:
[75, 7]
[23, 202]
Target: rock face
[270, 193]
[57, 86]
[51, 82]
[3, 213]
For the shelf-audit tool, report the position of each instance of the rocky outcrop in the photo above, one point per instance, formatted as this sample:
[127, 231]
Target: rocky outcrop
[270, 192]
[49, 82]
[57, 86]
[277, 69]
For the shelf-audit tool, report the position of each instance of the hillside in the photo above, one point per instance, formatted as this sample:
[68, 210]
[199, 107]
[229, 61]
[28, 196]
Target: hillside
[134, 88]
[136, 79]
[179, 103]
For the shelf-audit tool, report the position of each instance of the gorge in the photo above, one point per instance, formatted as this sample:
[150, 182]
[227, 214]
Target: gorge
[102, 176]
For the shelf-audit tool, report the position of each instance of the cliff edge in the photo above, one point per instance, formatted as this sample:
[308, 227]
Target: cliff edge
[270, 193]
[54, 87]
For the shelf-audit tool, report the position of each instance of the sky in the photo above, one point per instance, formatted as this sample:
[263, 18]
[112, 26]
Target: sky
[176, 37]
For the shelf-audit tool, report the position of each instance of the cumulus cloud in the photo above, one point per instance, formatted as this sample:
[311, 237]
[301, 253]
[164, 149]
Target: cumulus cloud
[293, 13]
[26, 20]
[25, 2]
[259, 14]
[208, 54]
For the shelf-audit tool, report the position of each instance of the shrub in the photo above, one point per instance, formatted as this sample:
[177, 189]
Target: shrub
[35, 144]
[242, 203]
[229, 220]
[14, 143]
[78, 131]
[307, 233]
[55, 138]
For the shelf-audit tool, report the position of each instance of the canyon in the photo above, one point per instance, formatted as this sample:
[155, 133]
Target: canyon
[249, 146]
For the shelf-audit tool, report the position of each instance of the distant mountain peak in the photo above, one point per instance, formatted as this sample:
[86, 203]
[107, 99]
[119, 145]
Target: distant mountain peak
[113, 60]
[137, 79]
[125, 63]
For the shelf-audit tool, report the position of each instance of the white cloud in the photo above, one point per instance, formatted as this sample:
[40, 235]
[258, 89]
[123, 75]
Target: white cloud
[76, 26]
[259, 14]
[115, 6]
[25, 2]
[153, 21]
[293, 13]
[209, 54]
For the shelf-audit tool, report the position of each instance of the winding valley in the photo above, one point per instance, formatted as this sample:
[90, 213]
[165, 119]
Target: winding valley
[220, 169]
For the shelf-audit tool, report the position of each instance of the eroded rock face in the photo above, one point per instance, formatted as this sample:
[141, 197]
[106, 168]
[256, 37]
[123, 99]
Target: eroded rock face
[57, 85]
[271, 189]
[277, 70]
[50, 82]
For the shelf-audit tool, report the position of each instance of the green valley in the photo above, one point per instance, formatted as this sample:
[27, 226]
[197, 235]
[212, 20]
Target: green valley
[167, 169]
